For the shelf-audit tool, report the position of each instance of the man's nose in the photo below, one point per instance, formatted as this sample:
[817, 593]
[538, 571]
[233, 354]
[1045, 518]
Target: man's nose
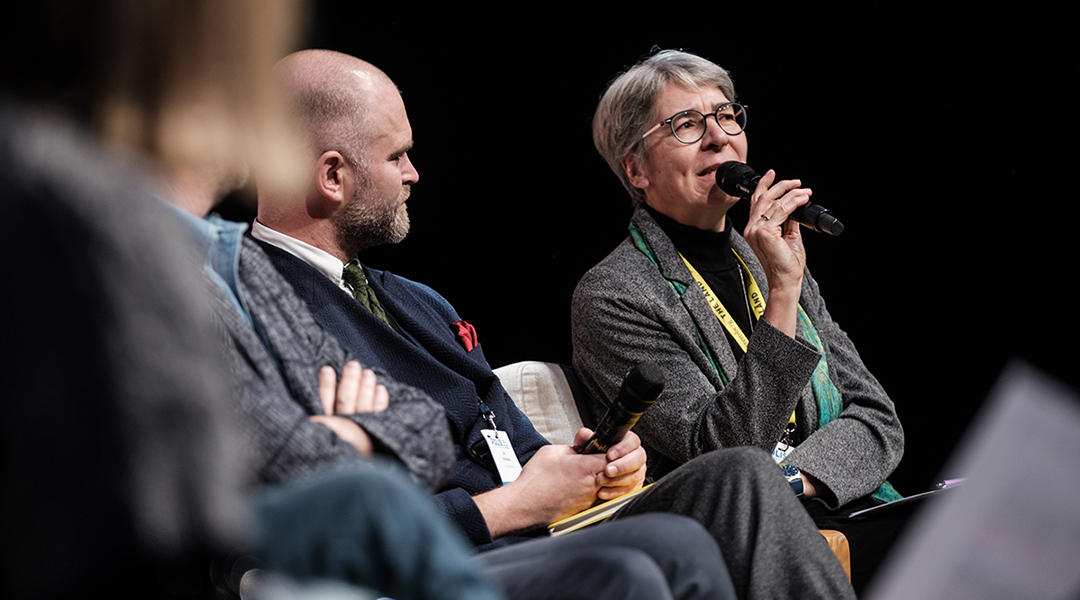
[409, 173]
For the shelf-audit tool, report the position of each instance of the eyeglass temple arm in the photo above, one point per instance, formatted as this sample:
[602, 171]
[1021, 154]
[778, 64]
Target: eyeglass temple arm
[654, 128]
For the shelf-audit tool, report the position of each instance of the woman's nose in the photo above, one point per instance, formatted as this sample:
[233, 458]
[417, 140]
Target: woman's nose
[715, 137]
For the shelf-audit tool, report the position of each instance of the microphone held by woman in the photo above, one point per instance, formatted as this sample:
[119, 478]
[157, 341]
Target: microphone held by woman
[737, 179]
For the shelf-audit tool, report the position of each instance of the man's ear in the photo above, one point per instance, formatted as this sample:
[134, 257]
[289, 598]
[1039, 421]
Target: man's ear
[634, 172]
[332, 175]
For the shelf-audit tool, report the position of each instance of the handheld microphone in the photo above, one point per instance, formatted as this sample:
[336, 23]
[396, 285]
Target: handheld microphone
[641, 387]
[737, 179]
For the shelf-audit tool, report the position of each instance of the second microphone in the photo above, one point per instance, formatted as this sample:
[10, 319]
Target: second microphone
[641, 387]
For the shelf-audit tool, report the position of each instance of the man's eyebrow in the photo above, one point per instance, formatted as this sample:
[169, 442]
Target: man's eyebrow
[404, 148]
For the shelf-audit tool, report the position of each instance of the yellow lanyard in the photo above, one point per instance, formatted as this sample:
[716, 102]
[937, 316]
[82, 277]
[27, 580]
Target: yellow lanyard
[757, 304]
[753, 294]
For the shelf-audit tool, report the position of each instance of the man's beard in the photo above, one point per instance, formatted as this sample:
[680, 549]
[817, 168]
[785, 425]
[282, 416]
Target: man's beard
[367, 222]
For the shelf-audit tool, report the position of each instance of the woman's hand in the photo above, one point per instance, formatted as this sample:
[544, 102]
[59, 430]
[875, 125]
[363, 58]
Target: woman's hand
[777, 243]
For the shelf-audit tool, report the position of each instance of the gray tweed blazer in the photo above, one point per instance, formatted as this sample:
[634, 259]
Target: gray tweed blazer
[278, 393]
[624, 312]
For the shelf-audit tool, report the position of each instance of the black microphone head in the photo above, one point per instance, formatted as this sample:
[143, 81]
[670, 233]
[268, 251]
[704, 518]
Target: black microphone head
[830, 225]
[736, 179]
[644, 384]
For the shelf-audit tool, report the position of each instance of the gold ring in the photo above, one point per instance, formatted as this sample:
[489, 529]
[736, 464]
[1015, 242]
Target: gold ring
[766, 217]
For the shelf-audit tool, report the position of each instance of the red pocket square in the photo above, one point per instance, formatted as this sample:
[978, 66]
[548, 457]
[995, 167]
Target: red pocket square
[466, 334]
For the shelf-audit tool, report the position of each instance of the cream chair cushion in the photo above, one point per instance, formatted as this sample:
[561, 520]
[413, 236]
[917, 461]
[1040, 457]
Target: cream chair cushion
[541, 391]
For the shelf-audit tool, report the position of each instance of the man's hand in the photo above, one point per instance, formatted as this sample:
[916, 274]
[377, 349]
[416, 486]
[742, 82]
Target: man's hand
[557, 482]
[358, 392]
[554, 484]
[625, 471]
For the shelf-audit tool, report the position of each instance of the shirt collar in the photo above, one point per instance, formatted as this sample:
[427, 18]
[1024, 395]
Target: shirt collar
[323, 261]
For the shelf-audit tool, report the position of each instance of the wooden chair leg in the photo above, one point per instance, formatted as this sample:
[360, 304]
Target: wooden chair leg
[839, 545]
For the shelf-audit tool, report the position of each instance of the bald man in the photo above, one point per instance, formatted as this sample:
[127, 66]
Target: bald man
[507, 481]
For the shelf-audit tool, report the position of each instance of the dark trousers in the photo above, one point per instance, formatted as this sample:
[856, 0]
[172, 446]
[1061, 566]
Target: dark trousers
[368, 526]
[648, 557]
[771, 546]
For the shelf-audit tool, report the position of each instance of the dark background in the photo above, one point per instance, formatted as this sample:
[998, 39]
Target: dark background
[943, 140]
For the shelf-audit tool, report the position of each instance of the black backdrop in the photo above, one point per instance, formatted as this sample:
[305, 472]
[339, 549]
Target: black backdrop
[943, 140]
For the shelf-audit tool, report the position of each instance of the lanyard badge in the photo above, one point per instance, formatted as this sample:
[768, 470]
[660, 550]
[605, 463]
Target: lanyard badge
[784, 446]
[502, 451]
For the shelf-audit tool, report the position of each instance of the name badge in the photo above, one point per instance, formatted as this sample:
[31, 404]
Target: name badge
[781, 451]
[503, 454]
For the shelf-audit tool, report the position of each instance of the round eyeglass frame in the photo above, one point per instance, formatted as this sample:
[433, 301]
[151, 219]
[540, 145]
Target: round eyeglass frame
[715, 115]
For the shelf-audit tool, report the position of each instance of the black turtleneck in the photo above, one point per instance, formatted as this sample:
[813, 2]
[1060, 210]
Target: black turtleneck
[710, 253]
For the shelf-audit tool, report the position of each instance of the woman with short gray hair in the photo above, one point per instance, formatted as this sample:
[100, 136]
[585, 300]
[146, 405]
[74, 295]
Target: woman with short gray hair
[625, 111]
[750, 353]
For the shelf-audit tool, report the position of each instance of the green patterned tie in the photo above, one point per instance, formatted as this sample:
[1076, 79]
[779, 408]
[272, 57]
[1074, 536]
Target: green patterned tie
[354, 276]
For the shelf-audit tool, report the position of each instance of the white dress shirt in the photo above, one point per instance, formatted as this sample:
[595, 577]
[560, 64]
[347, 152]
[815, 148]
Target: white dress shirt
[323, 261]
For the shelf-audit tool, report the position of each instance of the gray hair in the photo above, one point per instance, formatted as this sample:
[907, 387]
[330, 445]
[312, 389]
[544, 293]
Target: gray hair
[625, 111]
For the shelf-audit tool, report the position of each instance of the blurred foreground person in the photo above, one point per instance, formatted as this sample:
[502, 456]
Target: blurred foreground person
[132, 483]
